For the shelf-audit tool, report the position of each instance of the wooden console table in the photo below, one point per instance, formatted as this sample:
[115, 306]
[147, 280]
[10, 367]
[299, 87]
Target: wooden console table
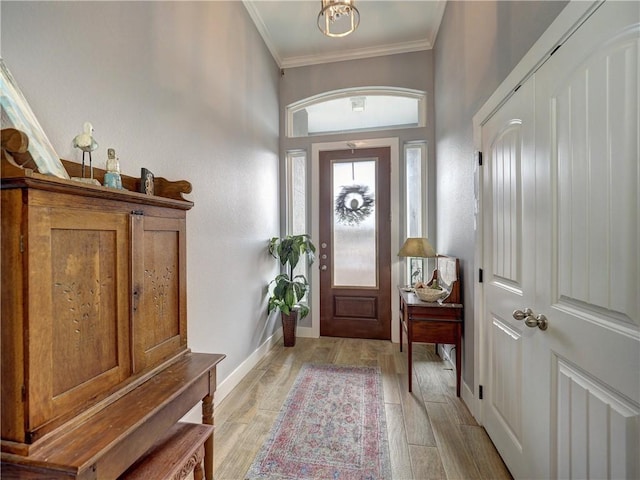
[434, 322]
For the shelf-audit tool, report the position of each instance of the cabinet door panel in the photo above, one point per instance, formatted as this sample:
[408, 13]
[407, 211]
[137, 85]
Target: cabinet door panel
[78, 309]
[159, 289]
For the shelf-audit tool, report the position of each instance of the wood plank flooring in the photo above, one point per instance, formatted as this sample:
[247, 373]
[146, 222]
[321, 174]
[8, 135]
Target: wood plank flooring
[432, 435]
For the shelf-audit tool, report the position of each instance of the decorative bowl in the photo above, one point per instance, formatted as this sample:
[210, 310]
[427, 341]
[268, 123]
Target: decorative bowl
[429, 294]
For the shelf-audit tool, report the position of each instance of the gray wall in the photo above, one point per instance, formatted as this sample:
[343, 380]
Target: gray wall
[188, 90]
[478, 45]
[409, 70]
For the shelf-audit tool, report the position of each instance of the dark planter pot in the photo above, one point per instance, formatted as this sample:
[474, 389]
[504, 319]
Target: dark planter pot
[289, 328]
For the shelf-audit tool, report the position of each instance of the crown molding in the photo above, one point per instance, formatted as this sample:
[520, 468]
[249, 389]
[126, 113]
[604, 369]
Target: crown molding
[440, 7]
[301, 61]
[262, 29]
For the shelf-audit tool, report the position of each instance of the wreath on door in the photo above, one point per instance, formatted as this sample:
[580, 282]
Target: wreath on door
[354, 204]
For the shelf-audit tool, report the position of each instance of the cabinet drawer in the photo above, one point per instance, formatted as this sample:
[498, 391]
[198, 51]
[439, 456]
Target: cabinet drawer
[435, 332]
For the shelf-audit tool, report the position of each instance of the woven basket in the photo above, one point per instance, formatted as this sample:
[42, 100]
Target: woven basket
[429, 294]
[289, 328]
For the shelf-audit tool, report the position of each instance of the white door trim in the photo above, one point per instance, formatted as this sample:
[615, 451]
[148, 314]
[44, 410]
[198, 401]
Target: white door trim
[569, 19]
[394, 144]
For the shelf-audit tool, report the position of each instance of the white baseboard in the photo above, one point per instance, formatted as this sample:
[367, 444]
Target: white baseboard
[471, 401]
[466, 393]
[306, 332]
[225, 386]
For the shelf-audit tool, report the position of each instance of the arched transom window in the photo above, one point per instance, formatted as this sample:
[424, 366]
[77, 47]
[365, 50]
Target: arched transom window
[356, 110]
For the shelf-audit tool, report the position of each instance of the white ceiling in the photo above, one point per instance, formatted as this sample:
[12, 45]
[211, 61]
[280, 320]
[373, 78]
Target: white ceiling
[291, 33]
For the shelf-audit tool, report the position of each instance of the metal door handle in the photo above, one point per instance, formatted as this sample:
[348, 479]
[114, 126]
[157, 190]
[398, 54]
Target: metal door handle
[522, 314]
[323, 267]
[539, 321]
[531, 319]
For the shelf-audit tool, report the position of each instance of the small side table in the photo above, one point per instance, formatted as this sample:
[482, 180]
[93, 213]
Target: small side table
[431, 323]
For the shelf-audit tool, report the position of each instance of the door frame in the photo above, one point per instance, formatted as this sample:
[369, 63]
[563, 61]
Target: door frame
[394, 144]
[565, 24]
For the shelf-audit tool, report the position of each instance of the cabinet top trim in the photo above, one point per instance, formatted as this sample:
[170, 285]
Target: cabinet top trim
[59, 185]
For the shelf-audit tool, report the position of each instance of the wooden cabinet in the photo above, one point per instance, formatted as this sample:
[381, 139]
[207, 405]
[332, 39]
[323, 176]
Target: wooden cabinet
[93, 309]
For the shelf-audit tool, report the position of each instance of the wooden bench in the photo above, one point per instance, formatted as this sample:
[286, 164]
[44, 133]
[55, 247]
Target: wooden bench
[178, 453]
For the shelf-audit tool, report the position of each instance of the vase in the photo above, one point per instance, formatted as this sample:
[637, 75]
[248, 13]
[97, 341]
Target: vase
[289, 328]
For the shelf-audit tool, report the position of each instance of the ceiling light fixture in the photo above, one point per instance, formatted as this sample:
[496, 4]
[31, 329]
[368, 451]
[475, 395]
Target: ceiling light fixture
[338, 18]
[357, 104]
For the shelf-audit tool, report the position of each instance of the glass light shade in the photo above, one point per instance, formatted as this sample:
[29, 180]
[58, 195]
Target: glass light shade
[338, 18]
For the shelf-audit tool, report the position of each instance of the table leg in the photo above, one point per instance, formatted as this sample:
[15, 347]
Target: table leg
[409, 352]
[207, 418]
[458, 364]
[401, 334]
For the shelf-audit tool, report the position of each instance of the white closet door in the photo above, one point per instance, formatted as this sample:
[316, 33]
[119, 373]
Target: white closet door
[587, 238]
[509, 268]
[561, 236]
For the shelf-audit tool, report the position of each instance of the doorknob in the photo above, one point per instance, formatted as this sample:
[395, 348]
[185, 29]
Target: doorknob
[530, 319]
[521, 315]
[323, 267]
[539, 321]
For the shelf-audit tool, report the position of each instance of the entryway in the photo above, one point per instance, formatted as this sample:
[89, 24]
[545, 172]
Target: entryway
[393, 144]
[354, 243]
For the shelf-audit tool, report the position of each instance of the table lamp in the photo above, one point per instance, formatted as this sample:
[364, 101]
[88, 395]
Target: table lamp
[417, 247]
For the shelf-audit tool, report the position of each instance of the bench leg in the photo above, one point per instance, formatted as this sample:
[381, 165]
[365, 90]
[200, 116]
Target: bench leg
[207, 419]
[198, 472]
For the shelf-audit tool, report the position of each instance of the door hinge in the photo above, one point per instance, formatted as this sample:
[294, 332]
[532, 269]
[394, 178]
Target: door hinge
[480, 392]
[137, 212]
[555, 49]
[480, 275]
[479, 158]
[23, 393]
[21, 243]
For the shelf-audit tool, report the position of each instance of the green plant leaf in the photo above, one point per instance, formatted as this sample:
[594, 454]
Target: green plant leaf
[288, 291]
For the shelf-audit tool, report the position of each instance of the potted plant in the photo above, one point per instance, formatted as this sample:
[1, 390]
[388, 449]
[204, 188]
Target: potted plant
[288, 289]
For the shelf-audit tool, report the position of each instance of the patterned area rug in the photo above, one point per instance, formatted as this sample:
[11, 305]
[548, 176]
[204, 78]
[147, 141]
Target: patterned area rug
[332, 426]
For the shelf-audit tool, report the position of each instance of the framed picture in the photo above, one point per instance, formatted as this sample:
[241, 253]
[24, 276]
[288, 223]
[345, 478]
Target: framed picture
[16, 113]
[146, 182]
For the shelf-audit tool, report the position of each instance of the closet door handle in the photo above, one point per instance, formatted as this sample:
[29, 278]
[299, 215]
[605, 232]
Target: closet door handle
[522, 314]
[539, 321]
[531, 319]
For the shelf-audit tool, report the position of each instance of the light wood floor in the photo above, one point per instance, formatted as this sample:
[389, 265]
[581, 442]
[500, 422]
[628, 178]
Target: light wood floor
[432, 435]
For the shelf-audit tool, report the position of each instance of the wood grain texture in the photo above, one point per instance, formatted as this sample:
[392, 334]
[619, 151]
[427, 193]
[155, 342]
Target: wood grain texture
[174, 456]
[162, 187]
[67, 249]
[12, 308]
[427, 440]
[398, 445]
[454, 453]
[484, 453]
[426, 463]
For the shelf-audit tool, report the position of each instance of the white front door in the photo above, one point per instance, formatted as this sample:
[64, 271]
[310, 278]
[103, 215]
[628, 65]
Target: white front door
[561, 236]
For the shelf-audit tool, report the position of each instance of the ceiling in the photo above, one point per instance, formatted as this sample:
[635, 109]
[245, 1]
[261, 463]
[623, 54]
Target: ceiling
[290, 31]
